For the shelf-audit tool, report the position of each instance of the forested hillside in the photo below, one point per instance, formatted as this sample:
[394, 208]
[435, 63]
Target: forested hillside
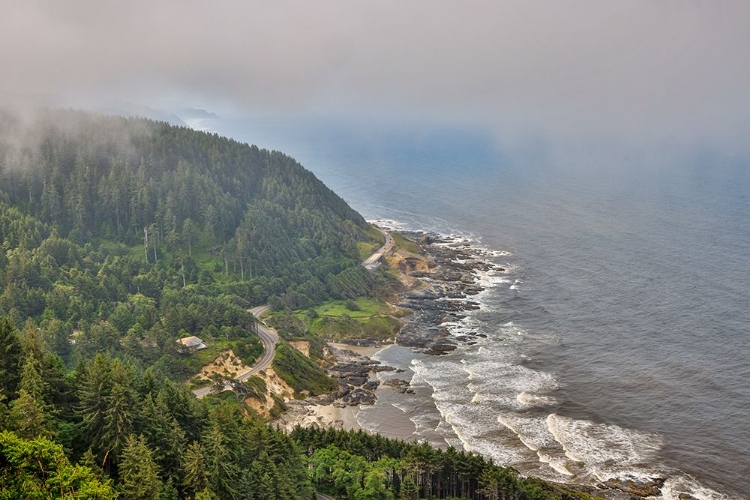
[121, 235]
[130, 432]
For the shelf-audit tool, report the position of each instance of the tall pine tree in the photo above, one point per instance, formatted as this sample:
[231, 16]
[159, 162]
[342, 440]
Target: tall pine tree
[139, 475]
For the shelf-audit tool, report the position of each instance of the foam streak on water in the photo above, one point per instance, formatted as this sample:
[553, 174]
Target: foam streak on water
[638, 264]
[499, 407]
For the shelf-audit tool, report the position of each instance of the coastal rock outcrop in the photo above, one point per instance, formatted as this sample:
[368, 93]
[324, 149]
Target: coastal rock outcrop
[352, 372]
[444, 294]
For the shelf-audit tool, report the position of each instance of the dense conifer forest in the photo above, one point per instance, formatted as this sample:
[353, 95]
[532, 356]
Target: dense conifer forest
[120, 236]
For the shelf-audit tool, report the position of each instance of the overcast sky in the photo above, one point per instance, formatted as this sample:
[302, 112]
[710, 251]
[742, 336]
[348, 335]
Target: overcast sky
[649, 69]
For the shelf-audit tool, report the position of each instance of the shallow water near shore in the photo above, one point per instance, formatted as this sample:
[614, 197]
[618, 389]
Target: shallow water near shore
[619, 343]
[483, 397]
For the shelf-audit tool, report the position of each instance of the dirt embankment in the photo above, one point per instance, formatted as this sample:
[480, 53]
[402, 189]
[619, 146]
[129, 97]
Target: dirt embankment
[226, 364]
[264, 402]
[302, 346]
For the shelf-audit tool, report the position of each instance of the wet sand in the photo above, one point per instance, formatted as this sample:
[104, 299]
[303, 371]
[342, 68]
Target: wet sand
[391, 415]
[362, 350]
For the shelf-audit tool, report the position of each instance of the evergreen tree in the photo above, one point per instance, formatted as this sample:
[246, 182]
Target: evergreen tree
[118, 418]
[194, 468]
[409, 490]
[139, 477]
[94, 387]
[220, 461]
[261, 479]
[10, 359]
[163, 435]
[30, 414]
[39, 469]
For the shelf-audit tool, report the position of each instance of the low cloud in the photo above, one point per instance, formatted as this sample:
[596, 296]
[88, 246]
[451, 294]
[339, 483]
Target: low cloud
[635, 69]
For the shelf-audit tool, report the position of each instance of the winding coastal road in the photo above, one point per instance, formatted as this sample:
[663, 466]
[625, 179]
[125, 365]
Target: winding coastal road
[373, 261]
[269, 340]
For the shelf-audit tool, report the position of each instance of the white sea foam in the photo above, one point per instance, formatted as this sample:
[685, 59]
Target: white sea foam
[468, 391]
[477, 398]
[425, 423]
[510, 380]
[606, 450]
[418, 381]
[529, 400]
[465, 326]
[558, 464]
[404, 408]
[491, 278]
[513, 332]
[532, 431]
[485, 398]
[679, 485]
[474, 426]
[480, 390]
[389, 224]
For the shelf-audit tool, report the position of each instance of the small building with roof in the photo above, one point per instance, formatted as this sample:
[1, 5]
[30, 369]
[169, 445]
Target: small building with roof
[192, 342]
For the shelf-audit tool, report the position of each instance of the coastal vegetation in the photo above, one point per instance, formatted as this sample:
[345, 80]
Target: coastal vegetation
[360, 318]
[367, 248]
[108, 427]
[365, 466]
[300, 372]
[121, 236]
[406, 245]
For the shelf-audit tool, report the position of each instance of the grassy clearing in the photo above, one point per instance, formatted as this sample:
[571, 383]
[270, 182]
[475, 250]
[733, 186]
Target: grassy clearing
[365, 308]
[366, 249]
[197, 383]
[375, 328]
[361, 318]
[195, 361]
[405, 244]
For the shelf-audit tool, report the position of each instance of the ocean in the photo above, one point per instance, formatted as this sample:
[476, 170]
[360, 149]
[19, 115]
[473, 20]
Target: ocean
[618, 339]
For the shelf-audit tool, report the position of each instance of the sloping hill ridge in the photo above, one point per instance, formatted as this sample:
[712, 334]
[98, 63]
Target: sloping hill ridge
[118, 236]
[252, 214]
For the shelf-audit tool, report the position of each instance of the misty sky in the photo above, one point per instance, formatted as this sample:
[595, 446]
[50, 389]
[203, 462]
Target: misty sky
[652, 70]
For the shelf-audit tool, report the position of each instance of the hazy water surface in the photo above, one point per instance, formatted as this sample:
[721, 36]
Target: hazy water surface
[626, 315]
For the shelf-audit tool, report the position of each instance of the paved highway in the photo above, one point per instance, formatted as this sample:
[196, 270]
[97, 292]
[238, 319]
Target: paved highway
[372, 261]
[269, 340]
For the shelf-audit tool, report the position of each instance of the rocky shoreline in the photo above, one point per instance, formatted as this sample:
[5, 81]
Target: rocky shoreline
[442, 293]
[445, 294]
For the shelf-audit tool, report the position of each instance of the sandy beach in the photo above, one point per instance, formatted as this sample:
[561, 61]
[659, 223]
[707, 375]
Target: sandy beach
[310, 414]
[396, 409]
[395, 413]
[327, 411]
[362, 350]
